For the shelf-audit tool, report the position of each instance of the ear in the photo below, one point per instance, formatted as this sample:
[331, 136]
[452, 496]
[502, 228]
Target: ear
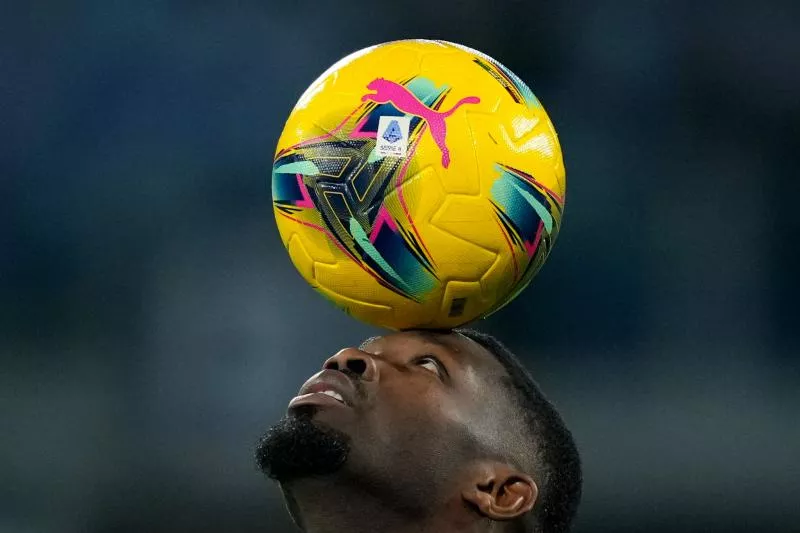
[500, 492]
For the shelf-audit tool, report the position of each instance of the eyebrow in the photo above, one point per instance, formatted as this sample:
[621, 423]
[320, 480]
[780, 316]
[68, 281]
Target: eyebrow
[367, 341]
[430, 336]
[434, 337]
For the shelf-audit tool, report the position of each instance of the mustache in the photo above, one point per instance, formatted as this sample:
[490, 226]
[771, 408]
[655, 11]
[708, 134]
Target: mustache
[358, 383]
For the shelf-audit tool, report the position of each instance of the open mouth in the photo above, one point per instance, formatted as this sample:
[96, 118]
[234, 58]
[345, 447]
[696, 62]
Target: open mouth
[327, 388]
[333, 394]
[319, 399]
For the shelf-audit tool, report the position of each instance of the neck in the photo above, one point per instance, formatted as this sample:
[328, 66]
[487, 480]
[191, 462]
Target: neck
[322, 506]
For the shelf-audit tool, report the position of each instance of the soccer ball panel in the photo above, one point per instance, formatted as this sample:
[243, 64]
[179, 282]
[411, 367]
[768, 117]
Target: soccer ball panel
[418, 184]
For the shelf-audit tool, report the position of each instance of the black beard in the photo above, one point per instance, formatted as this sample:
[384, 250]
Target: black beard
[296, 448]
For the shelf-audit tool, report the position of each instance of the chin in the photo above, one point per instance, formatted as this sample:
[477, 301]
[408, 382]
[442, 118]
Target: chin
[335, 417]
[301, 445]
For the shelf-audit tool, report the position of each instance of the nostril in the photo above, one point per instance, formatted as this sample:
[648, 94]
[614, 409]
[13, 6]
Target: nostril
[359, 366]
[331, 365]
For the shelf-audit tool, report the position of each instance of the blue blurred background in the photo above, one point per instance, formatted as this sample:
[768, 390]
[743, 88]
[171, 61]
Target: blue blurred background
[151, 324]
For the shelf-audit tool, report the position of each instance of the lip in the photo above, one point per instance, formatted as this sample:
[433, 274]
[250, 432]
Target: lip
[333, 380]
[315, 398]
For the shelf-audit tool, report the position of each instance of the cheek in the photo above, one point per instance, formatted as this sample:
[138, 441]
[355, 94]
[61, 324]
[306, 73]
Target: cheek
[411, 434]
[413, 416]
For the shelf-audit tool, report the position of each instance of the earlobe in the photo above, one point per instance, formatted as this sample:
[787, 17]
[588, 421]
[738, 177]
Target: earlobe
[501, 493]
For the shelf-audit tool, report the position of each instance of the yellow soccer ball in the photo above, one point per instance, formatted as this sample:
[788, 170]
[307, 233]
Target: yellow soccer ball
[418, 184]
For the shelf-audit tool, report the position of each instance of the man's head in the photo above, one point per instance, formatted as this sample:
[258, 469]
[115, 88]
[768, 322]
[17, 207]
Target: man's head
[430, 422]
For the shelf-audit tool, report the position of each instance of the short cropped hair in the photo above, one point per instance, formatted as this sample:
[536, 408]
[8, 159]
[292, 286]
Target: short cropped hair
[556, 456]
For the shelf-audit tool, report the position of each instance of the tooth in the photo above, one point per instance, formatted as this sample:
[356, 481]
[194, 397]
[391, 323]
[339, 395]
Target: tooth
[334, 395]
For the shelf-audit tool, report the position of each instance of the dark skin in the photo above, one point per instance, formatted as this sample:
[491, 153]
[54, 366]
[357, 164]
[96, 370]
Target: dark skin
[433, 442]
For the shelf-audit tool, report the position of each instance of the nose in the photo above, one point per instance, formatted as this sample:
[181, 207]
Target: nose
[355, 361]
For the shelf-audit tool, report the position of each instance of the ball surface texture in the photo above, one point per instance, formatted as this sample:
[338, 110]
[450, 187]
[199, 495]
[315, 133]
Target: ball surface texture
[418, 184]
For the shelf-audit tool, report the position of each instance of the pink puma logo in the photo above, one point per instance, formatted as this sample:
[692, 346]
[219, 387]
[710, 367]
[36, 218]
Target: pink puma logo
[404, 100]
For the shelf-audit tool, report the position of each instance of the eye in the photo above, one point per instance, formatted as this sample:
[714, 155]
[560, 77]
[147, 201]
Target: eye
[433, 364]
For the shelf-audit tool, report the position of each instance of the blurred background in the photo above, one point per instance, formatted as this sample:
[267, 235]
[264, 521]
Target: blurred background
[149, 316]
